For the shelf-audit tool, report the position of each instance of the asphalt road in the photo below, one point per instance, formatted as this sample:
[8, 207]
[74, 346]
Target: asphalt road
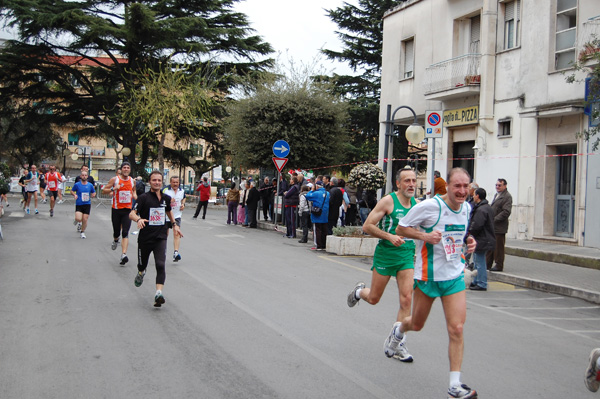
[250, 314]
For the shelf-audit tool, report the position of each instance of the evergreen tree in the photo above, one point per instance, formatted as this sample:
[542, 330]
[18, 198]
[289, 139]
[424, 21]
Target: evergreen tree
[361, 32]
[78, 57]
[295, 109]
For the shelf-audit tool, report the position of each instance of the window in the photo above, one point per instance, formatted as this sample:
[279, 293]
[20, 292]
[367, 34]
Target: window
[196, 150]
[512, 24]
[504, 127]
[475, 34]
[73, 139]
[566, 33]
[407, 58]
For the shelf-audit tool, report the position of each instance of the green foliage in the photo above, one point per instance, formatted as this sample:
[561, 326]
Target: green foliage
[588, 64]
[361, 32]
[348, 231]
[296, 109]
[85, 92]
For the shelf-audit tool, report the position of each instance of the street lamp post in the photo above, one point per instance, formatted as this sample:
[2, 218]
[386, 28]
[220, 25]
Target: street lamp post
[414, 134]
[65, 153]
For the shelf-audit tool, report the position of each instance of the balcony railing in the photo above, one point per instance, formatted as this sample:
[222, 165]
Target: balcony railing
[454, 73]
[590, 30]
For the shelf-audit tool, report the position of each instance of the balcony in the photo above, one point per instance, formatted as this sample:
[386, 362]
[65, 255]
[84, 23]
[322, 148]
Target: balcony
[456, 77]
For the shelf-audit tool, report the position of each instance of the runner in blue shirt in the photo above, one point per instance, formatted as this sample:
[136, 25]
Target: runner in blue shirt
[83, 192]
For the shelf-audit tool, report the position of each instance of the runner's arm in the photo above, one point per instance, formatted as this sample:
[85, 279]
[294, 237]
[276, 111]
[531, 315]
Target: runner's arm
[108, 187]
[431, 238]
[383, 207]
[176, 229]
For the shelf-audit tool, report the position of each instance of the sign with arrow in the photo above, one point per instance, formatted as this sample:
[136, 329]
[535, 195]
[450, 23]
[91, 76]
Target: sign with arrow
[281, 149]
[279, 163]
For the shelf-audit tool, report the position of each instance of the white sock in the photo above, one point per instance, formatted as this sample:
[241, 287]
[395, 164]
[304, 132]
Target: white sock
[454, 378]
[158, 292]
[357, 294]
[399, 334]
[598, 363]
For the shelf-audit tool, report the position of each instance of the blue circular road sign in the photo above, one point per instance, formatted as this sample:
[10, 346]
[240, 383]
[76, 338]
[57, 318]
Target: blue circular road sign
[281, 149]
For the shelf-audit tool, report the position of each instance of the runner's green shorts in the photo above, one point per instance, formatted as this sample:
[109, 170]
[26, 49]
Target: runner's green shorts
[434, 289]
[389, 261]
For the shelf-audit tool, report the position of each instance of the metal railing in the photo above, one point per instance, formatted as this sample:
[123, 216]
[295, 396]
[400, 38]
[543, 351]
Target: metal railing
[453, 73]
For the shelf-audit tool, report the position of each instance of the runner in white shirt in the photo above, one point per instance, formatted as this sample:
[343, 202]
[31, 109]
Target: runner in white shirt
[439, 226]
[177, 205]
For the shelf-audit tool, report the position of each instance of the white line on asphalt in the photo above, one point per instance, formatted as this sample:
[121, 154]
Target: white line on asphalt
[494, 298]
[16, 215]
[347, 371]
[229, 236]
[567, 318]
[566, 308]
[504, 312]
[586, 331]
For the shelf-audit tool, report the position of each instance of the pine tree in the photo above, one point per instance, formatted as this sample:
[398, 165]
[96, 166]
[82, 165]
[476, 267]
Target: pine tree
[78, 56]
[361, 32]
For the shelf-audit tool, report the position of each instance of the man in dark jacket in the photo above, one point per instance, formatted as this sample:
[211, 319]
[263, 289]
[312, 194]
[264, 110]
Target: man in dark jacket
[265, 196]
[252, 205]
[291, 199]
[482, 228]
[335, 201]
[502, 206]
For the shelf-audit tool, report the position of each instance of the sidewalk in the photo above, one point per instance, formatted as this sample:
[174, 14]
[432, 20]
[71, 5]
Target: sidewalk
[557, 268]
[561, 269]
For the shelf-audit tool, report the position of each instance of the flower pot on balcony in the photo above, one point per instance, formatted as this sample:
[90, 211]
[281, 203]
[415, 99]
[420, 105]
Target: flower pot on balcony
[472, 79]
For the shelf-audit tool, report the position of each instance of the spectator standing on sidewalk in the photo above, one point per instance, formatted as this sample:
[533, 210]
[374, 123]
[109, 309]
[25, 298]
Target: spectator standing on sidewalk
[233, 199]
[252, 205]
[291, 200]
[304, 212]
[502, 206]
[336, 199]
[265, 196]
[320, 199]
[204, 190]
[481, 227]
[352, 206]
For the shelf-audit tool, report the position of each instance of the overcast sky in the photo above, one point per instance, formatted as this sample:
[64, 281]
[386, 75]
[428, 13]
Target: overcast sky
[296, 29]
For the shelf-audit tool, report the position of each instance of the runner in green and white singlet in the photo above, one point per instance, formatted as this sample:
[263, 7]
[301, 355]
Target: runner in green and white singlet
[393, 256]
[440, 225]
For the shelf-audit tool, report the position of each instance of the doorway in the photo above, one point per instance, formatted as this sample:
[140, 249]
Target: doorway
[463, 155]
[565, 191]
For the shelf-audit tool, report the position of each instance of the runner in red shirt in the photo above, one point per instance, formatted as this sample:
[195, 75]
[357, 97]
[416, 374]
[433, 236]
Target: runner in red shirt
[123, 191]
[53, 179]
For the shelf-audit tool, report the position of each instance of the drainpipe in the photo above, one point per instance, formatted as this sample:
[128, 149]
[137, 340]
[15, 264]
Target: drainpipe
[489, 19]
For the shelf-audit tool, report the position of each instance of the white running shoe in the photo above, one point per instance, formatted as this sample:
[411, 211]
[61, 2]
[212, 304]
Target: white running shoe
[75, 222]
[114, 244]
[592, 373]
[83, 235]
[402, 352]
[391, 343]
[461, 391]
[352, 299]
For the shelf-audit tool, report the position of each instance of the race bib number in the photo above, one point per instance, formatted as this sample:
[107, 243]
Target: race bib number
[452, 239]
[51, 184]
[157, 217]
[125, 197]
[85, 197]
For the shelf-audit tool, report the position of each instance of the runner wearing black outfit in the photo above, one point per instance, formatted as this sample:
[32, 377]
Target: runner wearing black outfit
[150, 212]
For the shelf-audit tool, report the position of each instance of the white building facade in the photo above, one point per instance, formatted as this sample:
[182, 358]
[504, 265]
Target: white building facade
[495, 71]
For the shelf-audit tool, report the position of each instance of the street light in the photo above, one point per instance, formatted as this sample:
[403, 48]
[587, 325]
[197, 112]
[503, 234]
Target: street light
[414, 134]
[125, 151]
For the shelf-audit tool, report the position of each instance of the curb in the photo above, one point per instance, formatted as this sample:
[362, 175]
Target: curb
[545, 286]
[581, 261]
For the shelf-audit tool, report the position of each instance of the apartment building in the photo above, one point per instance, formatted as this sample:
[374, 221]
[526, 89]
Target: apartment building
[494, 71]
